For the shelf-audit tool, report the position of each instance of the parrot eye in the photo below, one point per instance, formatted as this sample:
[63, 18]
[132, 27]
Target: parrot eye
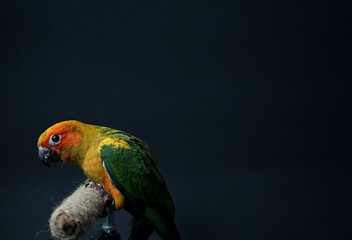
[55, 139]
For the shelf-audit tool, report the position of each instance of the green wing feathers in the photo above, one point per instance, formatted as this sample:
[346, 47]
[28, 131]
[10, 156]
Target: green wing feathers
[133, 167]
[129, 161]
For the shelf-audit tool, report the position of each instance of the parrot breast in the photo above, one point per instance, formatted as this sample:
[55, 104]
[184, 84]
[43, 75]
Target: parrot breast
[95, 171]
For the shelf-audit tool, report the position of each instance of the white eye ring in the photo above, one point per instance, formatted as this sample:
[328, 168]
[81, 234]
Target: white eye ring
[54, 139]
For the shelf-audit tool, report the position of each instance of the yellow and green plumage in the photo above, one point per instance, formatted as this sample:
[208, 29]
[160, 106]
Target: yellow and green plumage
[124, 166]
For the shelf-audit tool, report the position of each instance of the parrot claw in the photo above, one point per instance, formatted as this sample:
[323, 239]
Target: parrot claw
[106, 197]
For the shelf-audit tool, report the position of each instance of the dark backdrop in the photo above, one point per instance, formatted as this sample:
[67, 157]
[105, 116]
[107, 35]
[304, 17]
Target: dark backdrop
[246, 105]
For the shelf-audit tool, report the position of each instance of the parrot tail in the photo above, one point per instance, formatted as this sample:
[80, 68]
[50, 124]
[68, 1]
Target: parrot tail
[148, 218]
[163, 225]
[141, 230]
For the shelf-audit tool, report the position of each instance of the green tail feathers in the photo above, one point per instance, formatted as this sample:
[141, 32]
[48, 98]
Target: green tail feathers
[141, 230]
[163, 225]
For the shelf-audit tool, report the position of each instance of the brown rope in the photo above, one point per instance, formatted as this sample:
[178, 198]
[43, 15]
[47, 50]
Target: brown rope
[77, 213]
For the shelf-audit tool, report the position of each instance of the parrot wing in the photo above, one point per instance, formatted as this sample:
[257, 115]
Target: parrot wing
[132, 170]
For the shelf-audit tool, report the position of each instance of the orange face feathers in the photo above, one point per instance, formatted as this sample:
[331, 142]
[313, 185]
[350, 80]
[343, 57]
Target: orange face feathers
[64, 138]
[68, 131]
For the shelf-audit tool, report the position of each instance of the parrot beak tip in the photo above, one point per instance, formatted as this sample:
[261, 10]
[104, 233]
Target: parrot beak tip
[47, 155]
[46, 163]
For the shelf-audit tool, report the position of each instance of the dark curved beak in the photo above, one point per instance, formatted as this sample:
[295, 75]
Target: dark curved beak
[47, 155]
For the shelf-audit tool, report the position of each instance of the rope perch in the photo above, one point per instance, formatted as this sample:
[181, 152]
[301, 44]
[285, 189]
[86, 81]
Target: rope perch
[78, 212]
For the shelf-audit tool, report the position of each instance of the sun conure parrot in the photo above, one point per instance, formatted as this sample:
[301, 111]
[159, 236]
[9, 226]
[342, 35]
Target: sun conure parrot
[123, 165]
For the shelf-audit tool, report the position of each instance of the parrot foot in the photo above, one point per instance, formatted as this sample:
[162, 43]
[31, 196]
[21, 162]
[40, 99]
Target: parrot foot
[106, 197]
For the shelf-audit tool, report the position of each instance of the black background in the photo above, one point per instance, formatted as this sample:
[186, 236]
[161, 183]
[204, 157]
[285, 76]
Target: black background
[246, 105]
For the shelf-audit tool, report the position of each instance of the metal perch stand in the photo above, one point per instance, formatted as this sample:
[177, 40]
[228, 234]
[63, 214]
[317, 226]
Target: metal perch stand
[108, 228]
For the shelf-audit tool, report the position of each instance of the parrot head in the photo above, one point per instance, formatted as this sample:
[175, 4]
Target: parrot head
[61, 142]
